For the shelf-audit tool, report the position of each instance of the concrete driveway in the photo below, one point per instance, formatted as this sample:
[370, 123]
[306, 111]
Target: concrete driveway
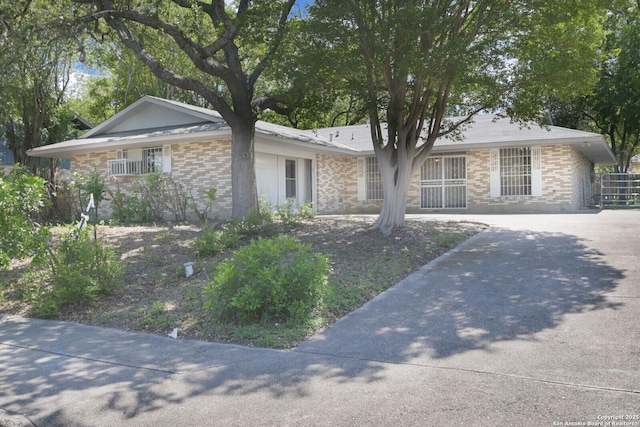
[532, 322]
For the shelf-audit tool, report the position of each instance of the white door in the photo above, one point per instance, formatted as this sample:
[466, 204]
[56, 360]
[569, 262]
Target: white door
[267, 177]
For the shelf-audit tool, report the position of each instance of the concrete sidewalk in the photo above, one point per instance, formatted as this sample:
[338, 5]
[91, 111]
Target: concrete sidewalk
[533, 322]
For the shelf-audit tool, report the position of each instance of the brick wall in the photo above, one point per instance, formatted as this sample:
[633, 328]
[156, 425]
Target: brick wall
[197, 166]
[336, 184]
[202, 165]
[582, 173]
[562, 167]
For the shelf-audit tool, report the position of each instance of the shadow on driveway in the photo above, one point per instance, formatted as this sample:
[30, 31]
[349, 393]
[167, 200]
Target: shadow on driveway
[499, 286]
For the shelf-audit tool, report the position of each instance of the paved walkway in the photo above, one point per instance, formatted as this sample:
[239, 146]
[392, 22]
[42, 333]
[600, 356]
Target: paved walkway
[533, 322]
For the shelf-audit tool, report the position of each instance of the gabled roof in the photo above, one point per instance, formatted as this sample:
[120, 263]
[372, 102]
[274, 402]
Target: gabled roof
[488, 131]
[152, 120]
[156, 121]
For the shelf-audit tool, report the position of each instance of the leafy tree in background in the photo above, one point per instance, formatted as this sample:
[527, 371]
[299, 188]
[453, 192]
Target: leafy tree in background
[35, 69]
[113, 77]
[414, 62]
[612, 108]
[22, 199]
[227, 47]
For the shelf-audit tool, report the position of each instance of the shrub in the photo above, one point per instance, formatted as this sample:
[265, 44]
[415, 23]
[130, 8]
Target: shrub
[270, 279]
[256, 223]
[291, 215]
[213, 241]
[88, 185]
[85, 270]
[22, 199]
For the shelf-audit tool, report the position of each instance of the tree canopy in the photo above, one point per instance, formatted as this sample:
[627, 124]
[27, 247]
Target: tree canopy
[414, 62]
[217, 50]
[35, 69]
[612, 107]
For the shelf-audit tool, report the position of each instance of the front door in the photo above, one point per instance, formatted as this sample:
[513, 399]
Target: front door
[280, 178]
[443, 182]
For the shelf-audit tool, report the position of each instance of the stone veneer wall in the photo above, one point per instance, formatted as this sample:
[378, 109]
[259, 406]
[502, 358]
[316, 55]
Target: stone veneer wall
[197, 166]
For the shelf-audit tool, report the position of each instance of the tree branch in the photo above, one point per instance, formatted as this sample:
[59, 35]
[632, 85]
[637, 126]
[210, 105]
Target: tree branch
[279, 36]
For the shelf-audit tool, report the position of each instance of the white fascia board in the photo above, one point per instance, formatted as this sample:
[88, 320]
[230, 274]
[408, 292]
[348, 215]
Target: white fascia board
[275, 141]
[123, 115]
[77, 146]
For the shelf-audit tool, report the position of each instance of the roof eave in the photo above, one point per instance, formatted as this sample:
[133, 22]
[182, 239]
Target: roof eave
[79, 146]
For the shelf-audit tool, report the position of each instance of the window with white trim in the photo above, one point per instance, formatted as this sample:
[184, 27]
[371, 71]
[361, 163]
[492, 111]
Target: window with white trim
[290, 178]
[137, 162]
[373, 179]
[515, 171]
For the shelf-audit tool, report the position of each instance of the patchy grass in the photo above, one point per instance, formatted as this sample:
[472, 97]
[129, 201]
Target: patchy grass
[157, 296]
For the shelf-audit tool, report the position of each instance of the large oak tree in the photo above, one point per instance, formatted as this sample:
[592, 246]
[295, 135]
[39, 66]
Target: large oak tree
[228, 46]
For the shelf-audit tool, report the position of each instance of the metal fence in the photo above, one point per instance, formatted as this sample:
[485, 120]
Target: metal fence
[619, 190]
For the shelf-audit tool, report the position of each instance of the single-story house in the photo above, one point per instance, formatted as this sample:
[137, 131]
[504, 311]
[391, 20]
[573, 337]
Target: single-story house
[499, 166]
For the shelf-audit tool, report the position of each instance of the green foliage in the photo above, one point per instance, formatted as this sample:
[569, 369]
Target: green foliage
[151, 195]
[213, 241]
[262, 223]
[258, 222]
[22, 199]
[270, 279]
[211, 194]
[88, 185]
[144, 205]
[35, 69]
[291, 215]
[85, 270]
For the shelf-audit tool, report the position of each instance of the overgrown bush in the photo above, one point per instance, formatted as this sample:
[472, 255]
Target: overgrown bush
[86, 186]
[143, 205]
[213, 241]
[291, 215]
[85, 270]
[256, 223]
[270, 279]
[22, 199]
[151, 196]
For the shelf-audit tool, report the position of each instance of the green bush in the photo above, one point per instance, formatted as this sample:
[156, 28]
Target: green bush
[88, 185]
[22, 200]
[270, 279]
[256, 223]
[213, 241]
[291, 215]
[85, 270]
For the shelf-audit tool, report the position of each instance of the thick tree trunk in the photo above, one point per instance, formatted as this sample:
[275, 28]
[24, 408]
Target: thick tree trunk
[396, 180]
[243, 174]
